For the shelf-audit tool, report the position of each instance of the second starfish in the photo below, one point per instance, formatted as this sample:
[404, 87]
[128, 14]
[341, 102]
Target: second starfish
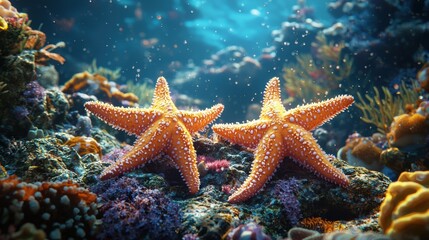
[279, 133]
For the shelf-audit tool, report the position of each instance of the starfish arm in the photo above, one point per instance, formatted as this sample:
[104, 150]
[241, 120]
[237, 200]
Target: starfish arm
[303, 148]
[272, 98]
[313, 115]
[196, 121]
[269, 154]
[161, 96]
[149, 145]
[133, 120]
[182, 152]
[245, 134]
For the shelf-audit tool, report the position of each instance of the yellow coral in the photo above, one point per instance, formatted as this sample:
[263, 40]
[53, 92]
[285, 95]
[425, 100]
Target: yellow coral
[3, 24]
[404, 214]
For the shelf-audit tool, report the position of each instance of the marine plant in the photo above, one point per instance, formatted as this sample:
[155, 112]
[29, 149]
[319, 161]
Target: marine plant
[317, 73]
[379, 110]
[108, 73]
[143, 91]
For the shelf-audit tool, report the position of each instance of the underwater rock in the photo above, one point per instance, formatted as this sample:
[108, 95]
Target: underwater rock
[47, 159]
[47, 76]
[359, 200]
[208, 217]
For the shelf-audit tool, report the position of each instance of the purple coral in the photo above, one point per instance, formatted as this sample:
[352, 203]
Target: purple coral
[285, 191]
[131, 211]
[34, 93]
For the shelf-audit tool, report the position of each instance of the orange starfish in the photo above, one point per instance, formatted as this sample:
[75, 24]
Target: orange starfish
[279, 133]
[162, 128]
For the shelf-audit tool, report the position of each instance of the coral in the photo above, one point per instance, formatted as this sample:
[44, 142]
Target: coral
[409, 131]
[47, 159]
[380, 110]
[212, 164]
[84, 145]
[60, 208]
[251, 231]
[7, 10]
[44, 54]
[321, 225]
[3, 24]
[423, 77]
[98, 85]
[143, 92]
[286, 190]
[110, 74]
[319, 73]
[362, 151]
[133, 212]
[404, 213]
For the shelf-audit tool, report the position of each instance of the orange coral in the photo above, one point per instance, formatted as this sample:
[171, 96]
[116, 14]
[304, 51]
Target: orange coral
[84, 145]
[321, 225]
[362, 152]
[408, 130]
[109, 90]
[404, 213]
[59, 208]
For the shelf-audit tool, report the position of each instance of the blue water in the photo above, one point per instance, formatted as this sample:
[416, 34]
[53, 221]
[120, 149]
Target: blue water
[112, 31]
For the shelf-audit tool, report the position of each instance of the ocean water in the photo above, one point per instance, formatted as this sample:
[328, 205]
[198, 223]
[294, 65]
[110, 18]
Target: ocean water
[215, 52]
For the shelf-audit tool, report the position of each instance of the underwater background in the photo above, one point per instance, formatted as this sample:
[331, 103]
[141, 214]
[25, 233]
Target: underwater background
[196, 119]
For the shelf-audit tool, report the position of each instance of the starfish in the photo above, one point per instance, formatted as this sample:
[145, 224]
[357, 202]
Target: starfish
[279, 133]
[162, 128]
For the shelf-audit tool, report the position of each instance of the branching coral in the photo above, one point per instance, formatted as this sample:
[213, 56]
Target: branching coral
[100, 86]
[380, 110]
[315, 75]
[404, 214]
[60, 209]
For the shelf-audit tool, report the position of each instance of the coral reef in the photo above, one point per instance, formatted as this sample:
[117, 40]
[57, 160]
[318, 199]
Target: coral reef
[99, 86]
[380, 110]
[132, 211]
[319, 73]
[409, 131]
[404, 213]
[47, 159]
[84, 145]
[362, 151]
[60, 209]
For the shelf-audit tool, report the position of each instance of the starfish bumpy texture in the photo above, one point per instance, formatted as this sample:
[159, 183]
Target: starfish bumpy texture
[162, 128]
[279, 133]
